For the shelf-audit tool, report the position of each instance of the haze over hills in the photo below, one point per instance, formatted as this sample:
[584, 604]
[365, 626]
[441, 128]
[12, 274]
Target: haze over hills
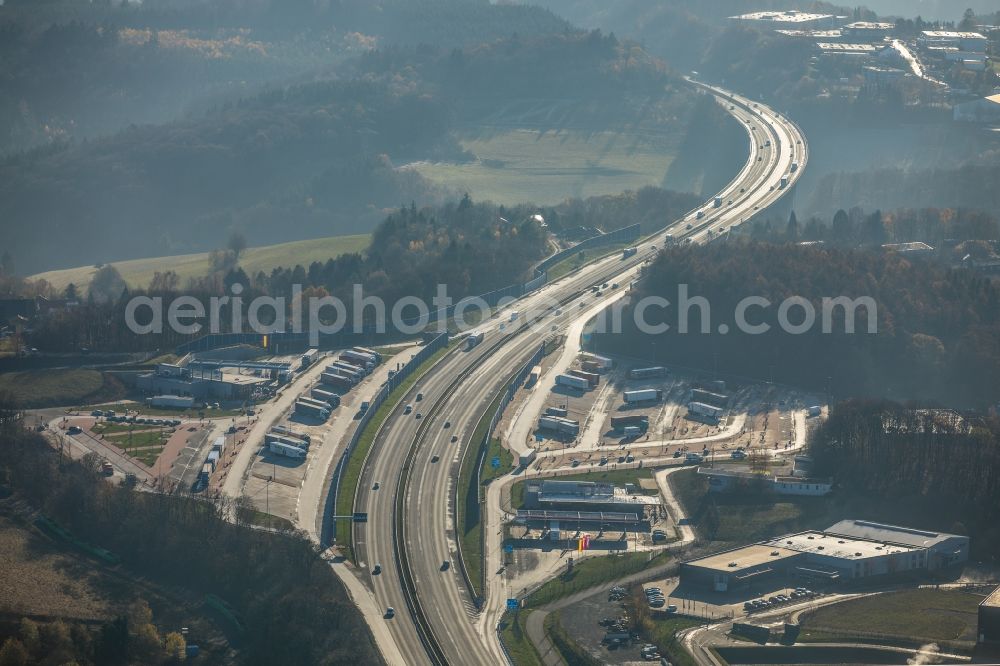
[452, 332]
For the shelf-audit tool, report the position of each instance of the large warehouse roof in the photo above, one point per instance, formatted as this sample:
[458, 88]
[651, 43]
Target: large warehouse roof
[863, 529]
[740, 559]
[790, 16]
[836, 545]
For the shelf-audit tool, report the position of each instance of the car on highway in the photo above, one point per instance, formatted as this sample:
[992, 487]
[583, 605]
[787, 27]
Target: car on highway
[454, 438]
[375, 486]
[447, 424]
[74, 430]
[420, 396]
[390, 613]
[435, 458]
[406, 410]
[604, 460]
[377, 569]
[689, 227]
[418, 415]
[445, 565]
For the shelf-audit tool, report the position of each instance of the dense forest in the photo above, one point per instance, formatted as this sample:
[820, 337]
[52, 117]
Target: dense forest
[971, 186]
[289, 605]
[309, 159]
[941, 462]
[131, 637]
[947, 227]
[938, 330]
[75, 69]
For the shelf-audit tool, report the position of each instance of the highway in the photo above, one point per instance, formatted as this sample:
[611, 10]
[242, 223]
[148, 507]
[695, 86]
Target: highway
[411, 512]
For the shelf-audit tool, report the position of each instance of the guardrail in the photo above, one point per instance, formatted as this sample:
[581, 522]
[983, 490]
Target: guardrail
[329, 529]
[509, 390]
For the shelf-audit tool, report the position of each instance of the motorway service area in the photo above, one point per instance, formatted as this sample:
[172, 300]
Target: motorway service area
[433, 552]
[588, 484]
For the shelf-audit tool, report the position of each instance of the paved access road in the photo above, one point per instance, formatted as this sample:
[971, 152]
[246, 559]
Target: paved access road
[422, 521]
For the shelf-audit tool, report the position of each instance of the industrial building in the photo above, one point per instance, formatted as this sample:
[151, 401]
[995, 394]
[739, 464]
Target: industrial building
[813, 35]
[988, 632]
[723, 480]
[914, 249]
[585, 496]
[867, 30]
[985, 110]
[229, 373]
[219, 383]
[846, 49]
[966, 41]
[847, 551]
[943, 550]
[788, 20]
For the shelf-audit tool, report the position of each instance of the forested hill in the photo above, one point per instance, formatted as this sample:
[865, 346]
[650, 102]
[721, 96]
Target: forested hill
[938, 334]
[971, 186]
[942, 467]
[300, 161]
[76, 69]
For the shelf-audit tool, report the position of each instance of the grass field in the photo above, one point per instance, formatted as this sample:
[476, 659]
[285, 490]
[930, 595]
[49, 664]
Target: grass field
[593, 571]
[514, 633]
[518, 165]
[138, 272]
[922, 615]
[44, 388]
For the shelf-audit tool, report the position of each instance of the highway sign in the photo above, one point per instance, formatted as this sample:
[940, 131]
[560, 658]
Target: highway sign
[495, 463]
[512, 604]
[508, 548]
[360, 517]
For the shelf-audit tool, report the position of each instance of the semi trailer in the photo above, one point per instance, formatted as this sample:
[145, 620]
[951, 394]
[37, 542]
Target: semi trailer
[560, 425]
[636, 420]
[642, 395]
[592, 378]
[573, 382]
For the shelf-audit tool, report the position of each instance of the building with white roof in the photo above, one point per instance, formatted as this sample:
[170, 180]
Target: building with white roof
[788, 20]
[847, 551]
[868, 30]
[966, 41]
[985, 110]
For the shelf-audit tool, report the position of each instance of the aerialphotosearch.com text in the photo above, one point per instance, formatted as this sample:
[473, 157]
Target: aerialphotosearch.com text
[328, 315]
